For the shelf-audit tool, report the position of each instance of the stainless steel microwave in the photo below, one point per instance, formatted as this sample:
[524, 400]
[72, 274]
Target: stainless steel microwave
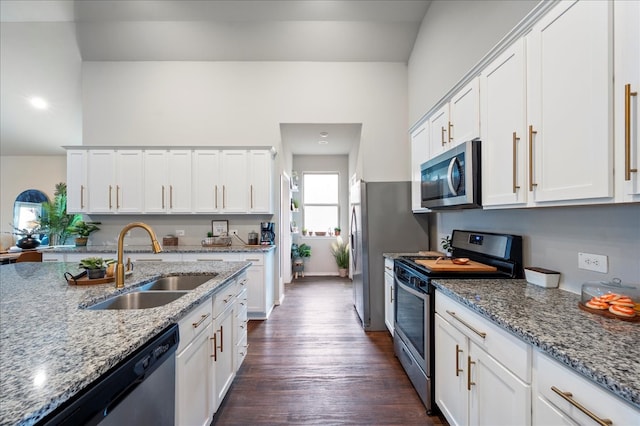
[451, 180]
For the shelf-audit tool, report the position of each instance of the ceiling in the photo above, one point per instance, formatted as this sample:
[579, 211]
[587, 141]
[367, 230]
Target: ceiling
[43, 44]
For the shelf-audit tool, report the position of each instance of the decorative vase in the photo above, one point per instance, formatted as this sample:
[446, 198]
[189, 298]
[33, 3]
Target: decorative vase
[96, 273]
[343, 272]
[81, 241]
[28, 242]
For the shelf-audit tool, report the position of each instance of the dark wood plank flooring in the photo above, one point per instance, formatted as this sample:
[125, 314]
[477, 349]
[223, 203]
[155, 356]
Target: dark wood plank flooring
[312, 363]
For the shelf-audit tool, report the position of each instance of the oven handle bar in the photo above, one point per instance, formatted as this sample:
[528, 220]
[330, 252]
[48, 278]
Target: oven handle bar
[479, 333]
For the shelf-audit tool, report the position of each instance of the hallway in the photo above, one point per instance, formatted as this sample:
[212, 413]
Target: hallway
[312, 363]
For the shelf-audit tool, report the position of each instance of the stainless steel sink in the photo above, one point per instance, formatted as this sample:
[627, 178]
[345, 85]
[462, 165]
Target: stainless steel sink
[177, 282]
[139, 300]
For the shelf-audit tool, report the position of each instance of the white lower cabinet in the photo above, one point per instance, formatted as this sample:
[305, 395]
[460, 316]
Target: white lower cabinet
[478, 367]
[223, 349]
[240, 325]
[389, 294]
[562, 397]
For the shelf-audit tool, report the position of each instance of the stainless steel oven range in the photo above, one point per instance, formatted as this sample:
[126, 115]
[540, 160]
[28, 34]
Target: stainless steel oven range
[490, 256]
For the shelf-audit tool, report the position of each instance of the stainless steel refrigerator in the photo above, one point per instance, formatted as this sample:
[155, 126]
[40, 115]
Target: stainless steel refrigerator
[381, 222]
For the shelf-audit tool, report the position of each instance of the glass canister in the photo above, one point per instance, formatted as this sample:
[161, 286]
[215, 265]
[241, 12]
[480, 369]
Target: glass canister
[253, 238]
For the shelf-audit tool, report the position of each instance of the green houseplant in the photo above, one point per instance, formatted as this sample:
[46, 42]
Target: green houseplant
[96, 266]
[340, 251]
[445, 243]
[298, 254]
[82, 229]
[55, 217]
[337, 230]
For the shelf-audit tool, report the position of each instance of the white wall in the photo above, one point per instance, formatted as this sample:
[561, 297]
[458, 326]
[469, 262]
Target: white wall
[19, 173]
[243, 103]
[453, 37]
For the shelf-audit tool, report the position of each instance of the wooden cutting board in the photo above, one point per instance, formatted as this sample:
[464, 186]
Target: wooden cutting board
[448, 265]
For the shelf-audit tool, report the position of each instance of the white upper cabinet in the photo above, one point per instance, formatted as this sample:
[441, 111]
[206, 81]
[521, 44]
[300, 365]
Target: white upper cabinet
[179, 174]
[569, 106]
[235, 182]
[260, 181]
[129, 174]
[77, 181]
[626, 89]
[206, 181]
[419, 154]
[167, 181]
[101, 178]
[155, 176]
[464, 112]
[438, 125]
[504, 149]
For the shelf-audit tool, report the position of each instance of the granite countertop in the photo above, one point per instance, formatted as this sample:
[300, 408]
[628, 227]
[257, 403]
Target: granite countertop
[51, 348]
[415, 253]
[165, 249]
[604, 350]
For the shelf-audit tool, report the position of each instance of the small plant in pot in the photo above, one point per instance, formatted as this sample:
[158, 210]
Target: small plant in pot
[337, 230]
[340, 251]
[30, 236]
[445, 243]
[96, 266]
[82, 229]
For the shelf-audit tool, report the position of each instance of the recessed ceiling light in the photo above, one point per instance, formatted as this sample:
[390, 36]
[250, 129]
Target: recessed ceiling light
[323, 142]
[38, 103]
[324, 134]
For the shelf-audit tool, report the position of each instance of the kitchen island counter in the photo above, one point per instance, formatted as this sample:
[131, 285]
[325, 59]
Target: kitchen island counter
[165, 249]
[605, 351]
[51, 347]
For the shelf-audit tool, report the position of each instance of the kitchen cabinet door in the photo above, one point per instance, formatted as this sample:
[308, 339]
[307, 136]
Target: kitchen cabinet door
[206, 181]
[194, 380]
[389, 295]
[155, 181]
[76, 181]
[129, 181]
[439, 131]
[180, 176]
[569, 104]
[235, 182]
[419, 154]
[464, 112]
[260, 181]
[504, 153]
[451, 372]
[101, 179]
[626, 97]
[223, 355]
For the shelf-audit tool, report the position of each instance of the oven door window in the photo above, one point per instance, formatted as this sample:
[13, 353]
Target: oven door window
[410, 318]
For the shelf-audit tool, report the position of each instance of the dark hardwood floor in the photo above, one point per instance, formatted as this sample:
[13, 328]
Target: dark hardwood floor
[312, 363]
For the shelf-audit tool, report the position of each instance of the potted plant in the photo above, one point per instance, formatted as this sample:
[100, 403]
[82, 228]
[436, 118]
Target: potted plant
[298, 254]
[30, 236]
[445, 243]
[337, 231]
[296, 204]
[304, 231]
[96, 266]
[340, 251]
[82, 229]
[55, 217]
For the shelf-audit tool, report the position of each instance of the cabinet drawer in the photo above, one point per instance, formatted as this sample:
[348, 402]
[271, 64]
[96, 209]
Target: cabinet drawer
[193, 324]
[256, 259]
[600, 402]
[209, 257]
[224, 298]
[241, 299]
[241, 351]
[512, 352]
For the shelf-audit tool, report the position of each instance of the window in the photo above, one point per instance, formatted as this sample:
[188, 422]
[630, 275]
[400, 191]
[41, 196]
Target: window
[320, 200]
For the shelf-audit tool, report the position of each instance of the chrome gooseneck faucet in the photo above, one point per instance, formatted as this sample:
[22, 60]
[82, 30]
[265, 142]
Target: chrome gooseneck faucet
[120, 265]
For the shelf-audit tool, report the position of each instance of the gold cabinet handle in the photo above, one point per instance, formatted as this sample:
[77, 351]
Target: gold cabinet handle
[82, 196]
[531, 133]
[627, 131]
[458, 352]
[515, 170]
[469, 382]
[163, 196]
[200, 321]
[568, 396]
[229, 297]
[117, 197]
[224, 197]
[251, 194]
[221, 338]
[170, 196]
[216, 195]
[450, 131]
[243, 282]
[215, 347]
[479, 333]
[442, 135]
[110, 197]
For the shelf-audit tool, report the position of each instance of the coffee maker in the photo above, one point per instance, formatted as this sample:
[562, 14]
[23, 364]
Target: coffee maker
[267, 234]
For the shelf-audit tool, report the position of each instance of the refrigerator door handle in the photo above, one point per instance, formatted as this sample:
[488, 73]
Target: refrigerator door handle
[354, 230]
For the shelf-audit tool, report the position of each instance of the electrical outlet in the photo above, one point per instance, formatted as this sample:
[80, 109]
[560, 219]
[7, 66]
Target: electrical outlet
[233, 232]
[593, 262]
[179, 232]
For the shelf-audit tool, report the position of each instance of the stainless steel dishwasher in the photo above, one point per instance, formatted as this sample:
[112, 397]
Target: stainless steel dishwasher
[139, 391]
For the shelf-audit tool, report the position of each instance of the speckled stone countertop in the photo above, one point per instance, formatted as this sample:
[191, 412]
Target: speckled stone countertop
[604, 350]
[165, 249]
[51, 348]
